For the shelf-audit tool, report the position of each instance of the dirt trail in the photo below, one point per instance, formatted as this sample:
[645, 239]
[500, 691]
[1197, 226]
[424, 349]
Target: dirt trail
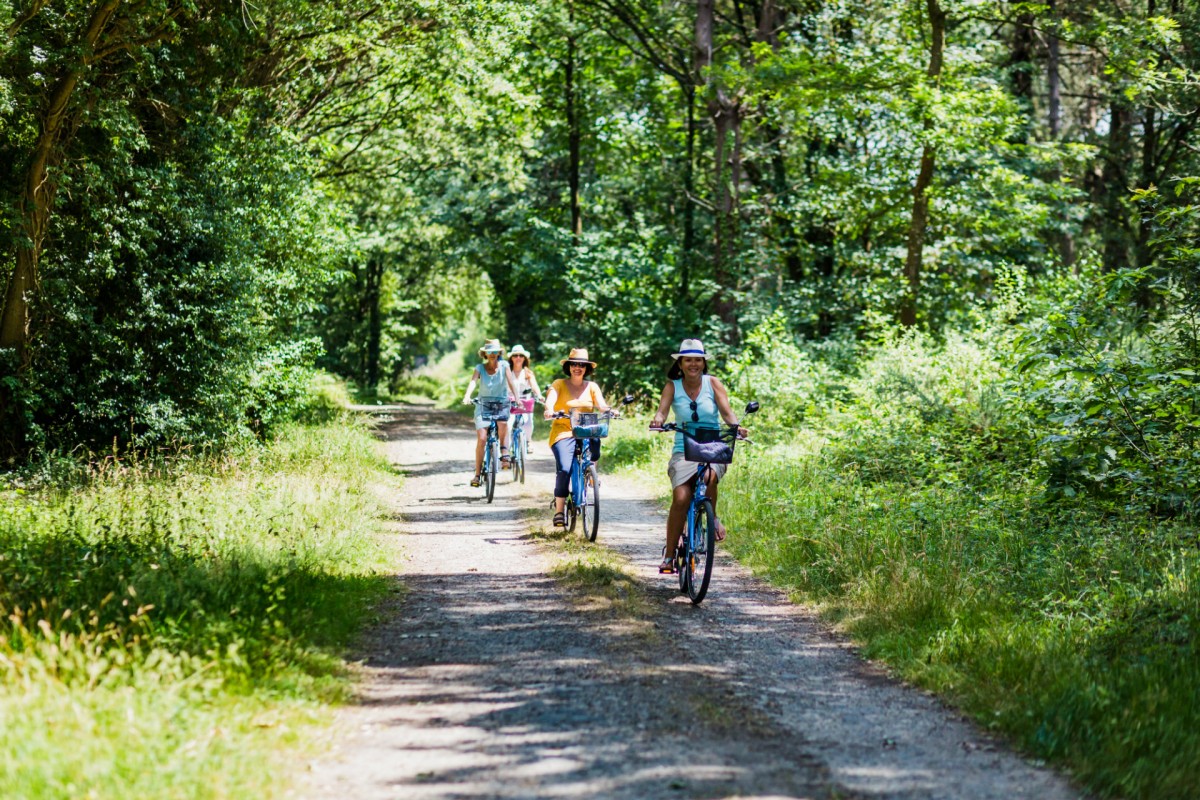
[486, 681]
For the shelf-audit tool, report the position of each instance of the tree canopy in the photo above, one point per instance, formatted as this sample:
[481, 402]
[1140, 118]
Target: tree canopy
[201, 201]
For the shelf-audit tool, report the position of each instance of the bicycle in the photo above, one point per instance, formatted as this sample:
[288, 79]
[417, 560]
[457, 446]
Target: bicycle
[494, 411]
[583, 502]
[698, 542]
[516, 444]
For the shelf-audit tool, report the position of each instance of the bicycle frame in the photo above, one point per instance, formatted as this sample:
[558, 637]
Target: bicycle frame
[583, 460]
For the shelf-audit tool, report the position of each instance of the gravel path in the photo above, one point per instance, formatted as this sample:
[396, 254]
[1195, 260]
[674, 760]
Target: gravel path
[486, 680]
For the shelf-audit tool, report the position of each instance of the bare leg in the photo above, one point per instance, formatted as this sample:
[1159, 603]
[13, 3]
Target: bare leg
[480, 441]
[681, 498]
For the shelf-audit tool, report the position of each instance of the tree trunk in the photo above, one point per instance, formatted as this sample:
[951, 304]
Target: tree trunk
[920, 211]
[573, 134]
[726, 117]
[372, 299]
[689, 188]
[1020, 64]
[1115, 188]
[1053, 82]
[38, 193]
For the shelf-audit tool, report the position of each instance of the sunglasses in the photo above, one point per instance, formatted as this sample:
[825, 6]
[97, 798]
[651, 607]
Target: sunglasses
[695, 414]
[573, 364]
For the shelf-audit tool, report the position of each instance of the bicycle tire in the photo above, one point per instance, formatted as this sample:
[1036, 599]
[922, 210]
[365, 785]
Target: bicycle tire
[517, 448]
[490, 477]
[572, 512]
[681, 560]
[591, 504]
[700, 559]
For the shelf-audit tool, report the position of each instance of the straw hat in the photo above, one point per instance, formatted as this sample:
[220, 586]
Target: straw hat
[491, 346]
[518, 350]
[579, 354]
[691, 347]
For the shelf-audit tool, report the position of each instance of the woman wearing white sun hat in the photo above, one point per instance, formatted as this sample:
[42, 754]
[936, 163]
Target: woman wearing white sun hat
[696, 398]
[496, 383]
[526, 381]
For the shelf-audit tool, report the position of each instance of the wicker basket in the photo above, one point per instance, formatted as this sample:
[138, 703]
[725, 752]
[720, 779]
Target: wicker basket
[589, 424]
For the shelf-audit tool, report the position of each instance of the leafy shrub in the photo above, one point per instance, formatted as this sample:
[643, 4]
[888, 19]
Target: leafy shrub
[774, 370]
[1118, 395]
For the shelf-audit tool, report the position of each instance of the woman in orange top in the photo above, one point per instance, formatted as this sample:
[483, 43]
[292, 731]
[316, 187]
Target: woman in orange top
[572, 393]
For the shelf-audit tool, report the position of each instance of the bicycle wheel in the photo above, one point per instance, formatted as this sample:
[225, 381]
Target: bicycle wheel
[572, 512]
[591, 504]
[490, 477]
[518, 457]
[704, 547]
[681, 560]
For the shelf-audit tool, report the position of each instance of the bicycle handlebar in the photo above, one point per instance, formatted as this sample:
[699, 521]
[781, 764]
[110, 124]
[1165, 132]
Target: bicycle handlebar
[611, 413]
[669, 427]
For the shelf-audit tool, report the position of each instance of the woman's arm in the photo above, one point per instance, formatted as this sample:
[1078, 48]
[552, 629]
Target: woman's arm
[551, 400]
[598, 399]
[664, 405]
[512, 384]
[470, 387]
[533, 384]
[721, 395]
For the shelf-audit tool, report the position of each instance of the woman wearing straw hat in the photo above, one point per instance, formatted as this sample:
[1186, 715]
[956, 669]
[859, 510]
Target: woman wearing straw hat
[526, 381]
[496, 383]
[572, 393]
[696, 398]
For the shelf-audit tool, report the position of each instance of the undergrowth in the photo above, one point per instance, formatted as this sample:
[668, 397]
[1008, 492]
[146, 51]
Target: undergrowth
[914, 495]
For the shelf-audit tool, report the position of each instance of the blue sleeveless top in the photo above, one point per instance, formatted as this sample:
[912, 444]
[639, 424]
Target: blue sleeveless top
[707, 415]
[492, 387]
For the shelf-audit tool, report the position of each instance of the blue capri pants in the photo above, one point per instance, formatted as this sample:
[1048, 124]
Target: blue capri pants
[564, 459]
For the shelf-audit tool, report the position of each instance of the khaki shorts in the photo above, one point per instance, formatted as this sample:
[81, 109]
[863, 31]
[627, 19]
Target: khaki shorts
[681, 470]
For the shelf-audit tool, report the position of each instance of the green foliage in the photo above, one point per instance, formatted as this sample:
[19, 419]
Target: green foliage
[912, 507]
[1113, 380]
[785, 379]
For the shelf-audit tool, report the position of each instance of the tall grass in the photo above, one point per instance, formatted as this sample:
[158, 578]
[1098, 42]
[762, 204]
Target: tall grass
[171, 625]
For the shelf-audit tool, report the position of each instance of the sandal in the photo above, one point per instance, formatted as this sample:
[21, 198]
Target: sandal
[667, 567]
[476, 480]
[560, 520]
[505, 458]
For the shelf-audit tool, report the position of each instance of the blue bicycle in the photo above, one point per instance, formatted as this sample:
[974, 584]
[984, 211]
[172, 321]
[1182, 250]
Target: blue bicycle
[493, 411]
[516, 445]
[698, 543]
[583, 503]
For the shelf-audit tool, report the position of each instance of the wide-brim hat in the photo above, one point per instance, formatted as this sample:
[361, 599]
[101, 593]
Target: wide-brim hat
[491, 346]
[579, 354]
[693, 348]
[518, 350]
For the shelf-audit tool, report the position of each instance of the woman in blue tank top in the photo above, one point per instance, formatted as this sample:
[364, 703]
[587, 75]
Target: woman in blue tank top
[698, 400]
[496, 383]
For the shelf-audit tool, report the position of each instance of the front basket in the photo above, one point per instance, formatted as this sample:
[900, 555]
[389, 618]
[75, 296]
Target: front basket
[713, 451]
[493, 410]
[589, 424]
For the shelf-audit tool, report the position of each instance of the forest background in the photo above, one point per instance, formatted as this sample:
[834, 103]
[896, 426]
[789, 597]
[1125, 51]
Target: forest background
[949, 245]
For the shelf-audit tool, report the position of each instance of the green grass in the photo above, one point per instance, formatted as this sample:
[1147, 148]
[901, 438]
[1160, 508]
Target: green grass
[174, 628]
[1072, 632]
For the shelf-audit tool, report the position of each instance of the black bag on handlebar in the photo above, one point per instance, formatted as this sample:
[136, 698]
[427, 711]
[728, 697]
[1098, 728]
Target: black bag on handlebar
[708, 446]
[494, 410]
